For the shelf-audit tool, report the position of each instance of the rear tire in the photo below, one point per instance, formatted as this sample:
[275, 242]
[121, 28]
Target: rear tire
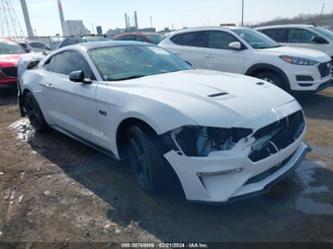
[272, 78]
[146, 159]
[34, 113]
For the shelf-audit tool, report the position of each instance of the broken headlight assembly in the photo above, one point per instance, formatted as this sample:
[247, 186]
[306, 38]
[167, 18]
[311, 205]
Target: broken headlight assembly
[196, 141]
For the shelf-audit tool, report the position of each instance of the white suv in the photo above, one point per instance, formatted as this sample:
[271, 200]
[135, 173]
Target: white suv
[246, 51]
[307, 36]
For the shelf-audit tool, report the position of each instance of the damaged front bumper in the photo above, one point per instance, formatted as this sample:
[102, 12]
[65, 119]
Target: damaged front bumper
[222, 176]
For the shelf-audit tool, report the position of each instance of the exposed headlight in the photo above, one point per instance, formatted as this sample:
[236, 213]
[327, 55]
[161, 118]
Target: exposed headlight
[298, 61]
[199, 141]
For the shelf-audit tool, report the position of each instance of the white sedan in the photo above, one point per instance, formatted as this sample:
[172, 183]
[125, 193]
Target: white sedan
[224, 135]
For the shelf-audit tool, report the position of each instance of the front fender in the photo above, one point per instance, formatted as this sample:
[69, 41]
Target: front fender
[160, 117]
[265, 66]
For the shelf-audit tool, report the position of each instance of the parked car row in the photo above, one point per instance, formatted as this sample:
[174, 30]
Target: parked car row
[11, 52]
[80, 39]
[242, 50]
[246, 51]
[154, 38]
[34, 46]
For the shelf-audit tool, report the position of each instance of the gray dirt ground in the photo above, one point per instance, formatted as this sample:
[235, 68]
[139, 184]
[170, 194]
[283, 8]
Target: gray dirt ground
[53, 188]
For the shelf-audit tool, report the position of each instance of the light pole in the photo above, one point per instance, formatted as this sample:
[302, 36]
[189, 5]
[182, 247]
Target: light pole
[322, 10]
[242, 12]
[27, 18]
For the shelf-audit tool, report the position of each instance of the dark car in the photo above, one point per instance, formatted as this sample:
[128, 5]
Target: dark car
[154, 38]
[81, 39]
[35, 46]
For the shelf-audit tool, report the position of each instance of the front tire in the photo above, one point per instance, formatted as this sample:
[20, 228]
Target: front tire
[34, 113]
[272, 78]
[146, 159]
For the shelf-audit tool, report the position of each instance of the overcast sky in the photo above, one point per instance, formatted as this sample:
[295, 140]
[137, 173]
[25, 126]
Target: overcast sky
[171, 13]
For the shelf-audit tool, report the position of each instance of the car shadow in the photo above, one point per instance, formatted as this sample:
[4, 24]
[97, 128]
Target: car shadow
[169, 217]
[320, 101]
[8, 96]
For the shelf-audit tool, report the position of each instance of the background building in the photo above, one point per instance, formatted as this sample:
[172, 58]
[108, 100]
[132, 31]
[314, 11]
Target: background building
[75, 27]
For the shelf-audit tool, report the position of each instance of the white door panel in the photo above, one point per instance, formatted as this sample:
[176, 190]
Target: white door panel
[75, 107]
[193, 55]
[72, 104]
[224, 60]
[46, 97]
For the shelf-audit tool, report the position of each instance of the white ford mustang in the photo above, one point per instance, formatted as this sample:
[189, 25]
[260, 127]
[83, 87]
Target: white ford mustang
[223, 135]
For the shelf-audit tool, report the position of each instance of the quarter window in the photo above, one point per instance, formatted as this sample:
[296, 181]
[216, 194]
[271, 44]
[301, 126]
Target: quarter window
[193, 39]
[220, 40]
[127, 38]
[300, 36]
[67, 62]
[140, 38]
[38, 45]
[278, 35]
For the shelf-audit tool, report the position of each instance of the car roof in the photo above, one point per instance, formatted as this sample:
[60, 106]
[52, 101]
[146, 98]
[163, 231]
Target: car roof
[100, 44]
[73, 38]
[205, 28]
[35, 41]
[139, 33]
[286, 26]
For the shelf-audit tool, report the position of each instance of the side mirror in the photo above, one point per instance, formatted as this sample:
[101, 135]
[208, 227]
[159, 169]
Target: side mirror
[235, 45]
[78, 76]
[319, 40]
[32, 64]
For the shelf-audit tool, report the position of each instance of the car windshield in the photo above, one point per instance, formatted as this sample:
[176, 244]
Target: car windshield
[10, 48]
[38, 45]
[134, 61]
[325, 32]
[256, 39]
[155, 38]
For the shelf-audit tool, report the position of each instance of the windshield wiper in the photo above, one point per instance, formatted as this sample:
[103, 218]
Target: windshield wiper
[129, 77]
[140, 76]
[277, 46]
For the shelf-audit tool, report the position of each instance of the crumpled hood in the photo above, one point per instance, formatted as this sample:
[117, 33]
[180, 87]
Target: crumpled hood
[297, 52]
[212, 98]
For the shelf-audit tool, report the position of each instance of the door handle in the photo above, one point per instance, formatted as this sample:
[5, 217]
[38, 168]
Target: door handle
[49, 85]
[209, 57]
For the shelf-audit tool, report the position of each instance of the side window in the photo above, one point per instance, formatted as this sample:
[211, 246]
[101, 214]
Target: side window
[23, 45]
[177, 39]
[220, 39]
[127, 38]
[140, 38]
[278, 35]
[193, 39]
[67, 62]
[300, 36]
[38, 45]
[71, 41]
[50, 64]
